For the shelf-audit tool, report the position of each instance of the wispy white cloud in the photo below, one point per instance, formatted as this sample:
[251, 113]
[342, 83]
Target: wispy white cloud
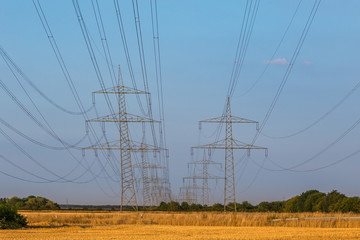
[307, 63]
[281, 61]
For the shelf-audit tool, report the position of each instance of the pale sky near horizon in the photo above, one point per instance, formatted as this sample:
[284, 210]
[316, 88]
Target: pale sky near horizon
[198, 44]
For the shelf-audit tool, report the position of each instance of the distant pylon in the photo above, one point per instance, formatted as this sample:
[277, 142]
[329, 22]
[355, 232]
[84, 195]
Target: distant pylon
[205, 176]
[144, 174]
[188, 194]
[229, 144]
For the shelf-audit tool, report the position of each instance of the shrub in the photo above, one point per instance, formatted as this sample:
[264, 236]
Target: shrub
[10, 219]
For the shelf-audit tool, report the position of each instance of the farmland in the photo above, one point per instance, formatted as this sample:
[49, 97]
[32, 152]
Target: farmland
[195, 225]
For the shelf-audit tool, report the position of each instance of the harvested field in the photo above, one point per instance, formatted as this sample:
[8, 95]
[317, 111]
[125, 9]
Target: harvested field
[180, 232]
[159, 225]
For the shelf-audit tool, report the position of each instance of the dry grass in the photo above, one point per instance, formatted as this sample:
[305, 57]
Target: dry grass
[160, 232]
[54, 225]
[71, 218]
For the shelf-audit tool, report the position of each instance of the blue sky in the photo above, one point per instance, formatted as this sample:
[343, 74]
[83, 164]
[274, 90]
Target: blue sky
[198, 43]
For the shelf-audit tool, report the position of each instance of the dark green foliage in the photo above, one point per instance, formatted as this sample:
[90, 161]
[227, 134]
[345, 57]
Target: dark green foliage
[269, 206]
[349, 205]
[10, 219]
[245, 207]
[32, 203]
[291, 205]
[185, 206]
[163, 207]
[195, 207]
[329, 202]
[217, 207]
[276, 206]
[300, 203]
[174, 206]
[309, 201]
[312, 201]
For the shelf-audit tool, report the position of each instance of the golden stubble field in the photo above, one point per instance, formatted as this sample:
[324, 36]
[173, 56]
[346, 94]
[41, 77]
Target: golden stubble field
[159, 225]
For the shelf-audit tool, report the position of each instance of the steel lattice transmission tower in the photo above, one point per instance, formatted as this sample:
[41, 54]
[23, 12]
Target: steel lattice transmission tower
[229, 144]
[151, 189]
[188, 193]
[124, 144]
[204, 176]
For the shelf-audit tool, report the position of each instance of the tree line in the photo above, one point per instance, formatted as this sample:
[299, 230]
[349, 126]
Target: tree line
[309, 201]
[30, 203]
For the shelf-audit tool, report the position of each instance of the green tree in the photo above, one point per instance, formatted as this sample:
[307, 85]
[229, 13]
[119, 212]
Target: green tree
[195, 207]
[185, 206]
[15, 202]
[174, 206]
[291, 205]
[349, 204]
[277, 206]
[163, 206]
[263, 207]
[300, 202]
[329, 202]
[245, 206]
[217, 207]
[312, 201]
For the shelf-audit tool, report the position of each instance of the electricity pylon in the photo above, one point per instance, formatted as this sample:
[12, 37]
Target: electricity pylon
[124, 144]
[229, 144]
[204, 176]
[148, 182]
[188, 194]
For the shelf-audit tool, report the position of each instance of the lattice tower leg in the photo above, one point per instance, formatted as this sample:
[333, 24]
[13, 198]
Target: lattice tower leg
[205, 185]
[229, 191]
[128, 196]
[145, 180]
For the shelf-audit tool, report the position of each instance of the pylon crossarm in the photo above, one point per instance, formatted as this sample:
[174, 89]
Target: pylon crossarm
[204, 162]
[134, 146]
[129, 118]
[246, 145]
[211, 145]
[236, 145]
[139, 147]
[231, 119]
[204, 177]
[121, 90]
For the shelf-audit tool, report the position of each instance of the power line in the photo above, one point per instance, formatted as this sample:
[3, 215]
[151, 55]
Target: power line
[10, 61]
[63, 66]
[322, 117]
[243, 42]
[159, 83]
[126, 51]
[92, 55]
[248, 22]
[275, 52]
[104, 43]
[139, 38]
[338, 139]
[12, 128]
[287, 72]
[58, 55]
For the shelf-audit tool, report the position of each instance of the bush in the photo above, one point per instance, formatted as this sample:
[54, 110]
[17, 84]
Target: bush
[10, 219]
